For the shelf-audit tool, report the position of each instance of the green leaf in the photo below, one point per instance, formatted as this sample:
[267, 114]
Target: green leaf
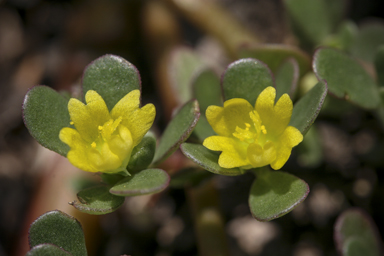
[112, 77]
[189, 177]
[45, 113]
[147, 181]
[203, 129]
[47, 250]
[286, 78]
[275, 54]
[97, 200]
[355, 232]
[346, 78]
[207, 159]
[143, 153]
[183, 66]
[178, 130]
[379, 65]
[207, 91]
[60, 229]
[310, 19]
[308, 107]
[246, 78]
[368, 40]
[275, 193]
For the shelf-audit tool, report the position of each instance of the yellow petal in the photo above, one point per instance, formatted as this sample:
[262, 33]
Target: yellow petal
[235, 113]
[78, 152]
[87, 118]
[261, 156]
[291, 137]
[234, 152]
[274, 117]
[138, 121]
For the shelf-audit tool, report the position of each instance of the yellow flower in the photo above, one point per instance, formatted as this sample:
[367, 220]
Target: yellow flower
[103, 140]
[252, 137]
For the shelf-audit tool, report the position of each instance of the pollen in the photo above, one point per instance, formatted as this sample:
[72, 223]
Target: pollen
[93, 145]
[100, 128]
[71, 123]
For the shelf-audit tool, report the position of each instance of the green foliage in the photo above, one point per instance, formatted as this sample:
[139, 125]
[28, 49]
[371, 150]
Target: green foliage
[346, 78]
[45, 114]
[47, 250]
[143, 153]
[178, 130]
[275, 193]
[246, 78]
[112, 77]
[308, 107]
[207, 91]
[355, 234]
[275, 54]
[368, 39]
[379, 65]
[97, 200]
[147, 181]
[59, 229]
[207, 159]
[286, 78]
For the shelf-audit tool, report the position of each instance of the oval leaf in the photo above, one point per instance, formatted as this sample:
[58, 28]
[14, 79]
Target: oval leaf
[47, 250]
[45, 113]
[178, 130]
[60, 229]
[345, 77]
[207, 159]
[112, 77]
[276, 193]
[286, 78]
[147, 181]
[97, 200]
[246, 78]
[183, 65]
[356, 232]
[308, 107]
[207, 91]
[274, 55]
[142, 155]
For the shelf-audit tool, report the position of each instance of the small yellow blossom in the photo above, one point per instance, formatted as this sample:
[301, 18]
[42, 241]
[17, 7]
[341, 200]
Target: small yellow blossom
[103, 140]
[252, 137]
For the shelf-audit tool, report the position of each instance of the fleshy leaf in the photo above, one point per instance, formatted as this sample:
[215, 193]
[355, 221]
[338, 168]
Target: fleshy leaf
[286, 78]
[356, 234]
[60, 229]
[142, 155]
[147, 181]
[178, 130]
[379, 65]
[308, 107]
[97, 200]
[207, 159]
[246, 78]
[346, 78]
[207, 89]
[368, 40]
[184, 64]
[310, 19]
[45, 114]
[112, 77]
[274, 55]
[275, 193]
[47, 250]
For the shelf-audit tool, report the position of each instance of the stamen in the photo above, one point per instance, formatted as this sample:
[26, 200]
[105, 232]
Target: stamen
[100, 128]
[93, 144]
[263, 129]
[71, 123]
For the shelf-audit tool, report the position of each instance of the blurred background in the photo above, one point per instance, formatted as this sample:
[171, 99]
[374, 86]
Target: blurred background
[49, 43]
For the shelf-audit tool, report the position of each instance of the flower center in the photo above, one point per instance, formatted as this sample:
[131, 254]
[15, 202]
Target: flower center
[105, 132]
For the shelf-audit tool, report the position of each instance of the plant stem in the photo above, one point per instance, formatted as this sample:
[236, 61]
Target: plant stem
[209, 226]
